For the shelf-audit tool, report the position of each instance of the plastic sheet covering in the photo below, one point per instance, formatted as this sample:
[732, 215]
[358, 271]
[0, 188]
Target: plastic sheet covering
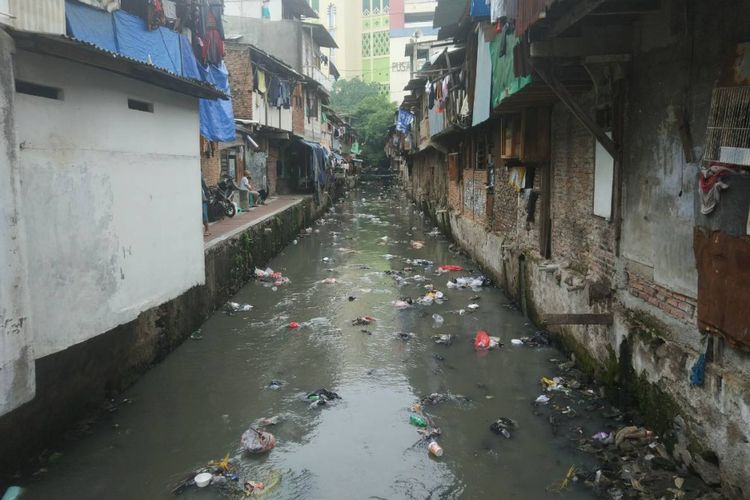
[160, 47]
[217, 117]
[91, 25]
[480, 8]
[189, 63]
[504, 80]
[483, 82]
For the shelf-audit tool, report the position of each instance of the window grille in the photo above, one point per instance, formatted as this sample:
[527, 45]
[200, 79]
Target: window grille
[728, 131]
[366, 45]
[381, 43]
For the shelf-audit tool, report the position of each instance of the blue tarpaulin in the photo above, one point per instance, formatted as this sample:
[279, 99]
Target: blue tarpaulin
[160, 47]
[480, 8]
[127, 35]
[217, 117]
[90, 25]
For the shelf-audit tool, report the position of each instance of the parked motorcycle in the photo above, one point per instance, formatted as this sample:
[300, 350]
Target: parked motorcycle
[220, 204]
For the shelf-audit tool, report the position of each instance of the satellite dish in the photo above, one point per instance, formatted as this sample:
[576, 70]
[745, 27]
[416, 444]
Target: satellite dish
[417, 34]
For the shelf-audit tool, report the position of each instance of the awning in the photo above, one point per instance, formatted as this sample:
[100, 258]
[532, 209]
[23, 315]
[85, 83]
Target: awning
[320, 35]
[415, 84]
[298, 8]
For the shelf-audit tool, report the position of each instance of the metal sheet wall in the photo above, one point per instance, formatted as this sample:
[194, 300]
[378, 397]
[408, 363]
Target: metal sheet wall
[723, 284]
[42, 16]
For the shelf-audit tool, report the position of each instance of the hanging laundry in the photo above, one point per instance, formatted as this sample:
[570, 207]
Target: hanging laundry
[517, 178]
[431, 96]
[262, 89]
[439, 98]
[404, 119]
[155, 15]
[445, 86]
[710, 184]
[279, 93]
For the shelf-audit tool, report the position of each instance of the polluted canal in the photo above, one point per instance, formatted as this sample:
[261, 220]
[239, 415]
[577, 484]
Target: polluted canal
[371, 305]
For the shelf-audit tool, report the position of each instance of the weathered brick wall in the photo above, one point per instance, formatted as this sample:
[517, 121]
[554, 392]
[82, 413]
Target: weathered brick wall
[475, 195]
[238, 61]
[298, 110]
[577, 234]
[210, 165]
[674, 304]
[429, 177]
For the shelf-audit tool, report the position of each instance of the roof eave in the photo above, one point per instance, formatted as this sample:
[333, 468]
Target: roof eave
[90, 55]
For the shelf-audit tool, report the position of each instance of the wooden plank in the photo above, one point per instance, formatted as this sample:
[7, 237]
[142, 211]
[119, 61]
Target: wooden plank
[577, 319]
[559, 89]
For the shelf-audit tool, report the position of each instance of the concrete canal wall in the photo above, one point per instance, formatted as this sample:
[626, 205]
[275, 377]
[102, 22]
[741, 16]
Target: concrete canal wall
[641, 359]
[73, 383]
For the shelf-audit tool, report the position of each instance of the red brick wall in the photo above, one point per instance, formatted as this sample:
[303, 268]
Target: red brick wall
[577, 234]
[238, 61]
[298, 111]
[477, 178]
[674, 304]
[210, 165]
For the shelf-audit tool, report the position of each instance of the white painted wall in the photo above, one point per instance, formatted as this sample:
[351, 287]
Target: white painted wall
[17, 380]
[111, 198]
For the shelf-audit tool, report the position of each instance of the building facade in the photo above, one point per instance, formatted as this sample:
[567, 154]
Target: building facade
[574, 152]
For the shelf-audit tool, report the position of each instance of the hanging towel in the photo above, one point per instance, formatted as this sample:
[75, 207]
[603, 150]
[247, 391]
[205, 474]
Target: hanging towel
[262, 82]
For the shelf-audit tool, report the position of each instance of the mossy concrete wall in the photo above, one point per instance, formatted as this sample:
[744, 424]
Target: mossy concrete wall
[74, 383]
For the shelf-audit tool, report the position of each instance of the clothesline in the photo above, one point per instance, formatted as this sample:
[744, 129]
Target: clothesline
[263, 68]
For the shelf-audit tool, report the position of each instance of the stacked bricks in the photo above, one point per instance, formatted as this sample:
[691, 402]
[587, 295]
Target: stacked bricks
[674, 304]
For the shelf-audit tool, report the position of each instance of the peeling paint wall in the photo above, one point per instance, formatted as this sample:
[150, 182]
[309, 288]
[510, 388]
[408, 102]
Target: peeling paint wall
[17, 383]
[111, 197]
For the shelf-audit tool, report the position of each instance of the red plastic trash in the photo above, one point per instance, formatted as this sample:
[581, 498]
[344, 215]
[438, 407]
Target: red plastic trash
[451, 267]
[293, 325]
[482, 341]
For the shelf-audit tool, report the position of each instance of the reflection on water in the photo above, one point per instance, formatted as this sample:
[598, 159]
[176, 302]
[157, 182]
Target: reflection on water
[194, 406]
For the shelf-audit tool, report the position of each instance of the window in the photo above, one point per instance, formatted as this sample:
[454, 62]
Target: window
[365, 7]
[37, 90]
[137, 105]
[604, 166]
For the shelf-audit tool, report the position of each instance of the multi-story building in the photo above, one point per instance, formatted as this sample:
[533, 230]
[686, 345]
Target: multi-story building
[410, 30]
[372, 37]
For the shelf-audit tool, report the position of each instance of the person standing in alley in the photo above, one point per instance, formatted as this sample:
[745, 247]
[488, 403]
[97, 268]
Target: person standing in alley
[205, 196]
[246, 184]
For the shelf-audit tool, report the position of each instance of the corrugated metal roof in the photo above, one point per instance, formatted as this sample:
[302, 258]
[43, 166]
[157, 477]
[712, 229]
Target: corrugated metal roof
[82, 52]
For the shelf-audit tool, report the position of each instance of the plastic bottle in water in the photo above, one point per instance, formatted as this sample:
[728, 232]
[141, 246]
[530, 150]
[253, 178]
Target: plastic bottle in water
[418, 421]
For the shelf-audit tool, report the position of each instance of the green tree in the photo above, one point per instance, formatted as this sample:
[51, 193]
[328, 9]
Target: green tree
[369, 112]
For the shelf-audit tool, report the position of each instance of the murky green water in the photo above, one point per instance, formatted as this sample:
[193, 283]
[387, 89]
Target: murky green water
[194, 406]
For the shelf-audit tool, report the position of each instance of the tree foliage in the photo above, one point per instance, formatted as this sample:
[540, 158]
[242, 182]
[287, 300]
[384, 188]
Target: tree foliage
[369, 112]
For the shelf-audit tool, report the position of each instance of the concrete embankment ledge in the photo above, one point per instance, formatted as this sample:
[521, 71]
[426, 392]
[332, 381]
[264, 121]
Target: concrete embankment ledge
[74, 384]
